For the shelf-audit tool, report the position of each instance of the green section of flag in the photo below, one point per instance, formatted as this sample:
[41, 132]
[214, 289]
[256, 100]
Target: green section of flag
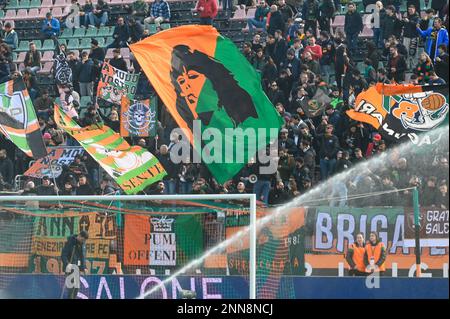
[226, 165]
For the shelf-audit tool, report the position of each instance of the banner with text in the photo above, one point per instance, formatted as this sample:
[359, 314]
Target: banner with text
[162, 240]
[434, 227]
[53, 163]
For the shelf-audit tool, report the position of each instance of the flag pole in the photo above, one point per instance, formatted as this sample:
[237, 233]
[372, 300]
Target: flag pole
[415, 194]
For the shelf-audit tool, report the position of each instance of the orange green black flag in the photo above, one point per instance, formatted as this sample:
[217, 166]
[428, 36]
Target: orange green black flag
[132, 167]
[402, 111]
[201, 75]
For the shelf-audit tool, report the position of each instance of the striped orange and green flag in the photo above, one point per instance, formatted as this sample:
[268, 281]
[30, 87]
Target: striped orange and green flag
[18, 121]
[132, 167]
[201, 76]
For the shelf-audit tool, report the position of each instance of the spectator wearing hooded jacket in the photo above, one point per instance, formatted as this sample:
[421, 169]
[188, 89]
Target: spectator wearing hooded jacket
[435, 36]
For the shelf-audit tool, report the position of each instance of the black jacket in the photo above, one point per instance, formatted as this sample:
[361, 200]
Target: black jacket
[97, 55]
[85, 189]
[329, 146]
[7, 170]
[73, 252]
[276, 22]
[46, 190]
[119, 63]
[391, 25]
[441, 67]
[121, 33]
[353, 23]
[409, 28]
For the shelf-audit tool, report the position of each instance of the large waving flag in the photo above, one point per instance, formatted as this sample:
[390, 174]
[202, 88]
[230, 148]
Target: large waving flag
[200, 75]
[18, 121]
[132, 167]
[400, 111]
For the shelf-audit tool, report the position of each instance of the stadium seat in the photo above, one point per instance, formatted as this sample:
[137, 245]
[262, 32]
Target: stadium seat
[73, 44]
[251, 13]
[23, 46]
[239, 14]
[85, 43]
[101, 42]
[47, 56]
[22, 14]
[38, 44]
[57, 12]
[60, 3]
[109, 40]
[47, 4]
[13, 4]
[46, 68]
[367, 32]
[105, 32]
[35, 4]
[109, 54]
[152, 28]
[66, 34]
[24, 4]
[48, 45]
[125, 53]
[19, 57]
[33, 14]
[339, 22]
[79, 33]
[91, 32]
[165, 26]
[10, 15]
[43, 12]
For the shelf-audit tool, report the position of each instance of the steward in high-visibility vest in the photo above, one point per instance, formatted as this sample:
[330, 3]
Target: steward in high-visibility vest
[355, 257]
[375, 254]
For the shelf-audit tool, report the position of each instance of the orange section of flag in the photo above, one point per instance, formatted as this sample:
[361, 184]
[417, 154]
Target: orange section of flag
[154, 55]
[137, 240]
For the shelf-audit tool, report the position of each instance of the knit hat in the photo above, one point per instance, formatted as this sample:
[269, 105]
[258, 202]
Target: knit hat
[47, 136]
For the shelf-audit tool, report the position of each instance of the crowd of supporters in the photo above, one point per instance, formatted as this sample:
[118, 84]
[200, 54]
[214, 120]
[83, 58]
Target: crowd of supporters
[299, 56]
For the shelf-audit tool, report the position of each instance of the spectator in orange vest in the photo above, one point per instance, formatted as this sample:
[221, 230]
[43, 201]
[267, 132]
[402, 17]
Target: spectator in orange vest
[375, 255]
[355, 257]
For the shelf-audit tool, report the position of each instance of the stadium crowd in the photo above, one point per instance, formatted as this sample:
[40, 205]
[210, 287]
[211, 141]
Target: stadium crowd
[300, 61]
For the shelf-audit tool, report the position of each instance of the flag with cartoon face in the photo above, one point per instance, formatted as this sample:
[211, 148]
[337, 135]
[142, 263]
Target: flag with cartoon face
[202, 76]
[402, 111]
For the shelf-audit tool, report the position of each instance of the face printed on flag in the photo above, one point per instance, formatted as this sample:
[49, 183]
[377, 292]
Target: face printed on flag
[204, 81]
[192, 72]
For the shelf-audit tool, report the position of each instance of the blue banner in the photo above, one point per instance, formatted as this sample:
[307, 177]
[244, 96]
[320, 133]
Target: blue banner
[47, 286]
